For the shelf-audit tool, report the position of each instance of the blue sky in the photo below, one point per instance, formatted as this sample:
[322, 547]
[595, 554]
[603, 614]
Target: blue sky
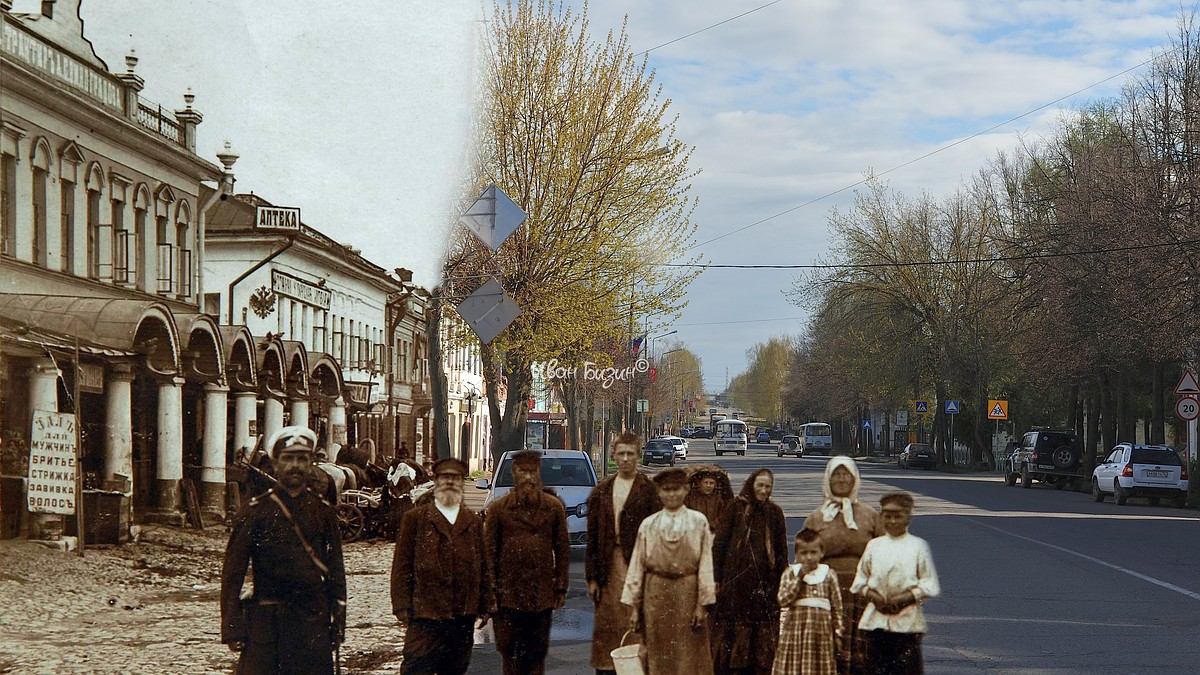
[357, 111]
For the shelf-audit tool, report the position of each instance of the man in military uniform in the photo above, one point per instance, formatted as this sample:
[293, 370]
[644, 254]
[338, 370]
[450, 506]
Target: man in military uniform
[529, 548]
[297, 615]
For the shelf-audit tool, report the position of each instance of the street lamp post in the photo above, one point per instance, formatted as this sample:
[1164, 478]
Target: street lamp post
[469, 398]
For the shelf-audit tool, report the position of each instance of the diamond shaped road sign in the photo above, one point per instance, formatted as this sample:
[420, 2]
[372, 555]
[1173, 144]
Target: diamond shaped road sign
[488, 310]
[493, 217]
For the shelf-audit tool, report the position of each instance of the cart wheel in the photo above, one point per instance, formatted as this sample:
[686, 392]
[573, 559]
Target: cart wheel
[350, 520]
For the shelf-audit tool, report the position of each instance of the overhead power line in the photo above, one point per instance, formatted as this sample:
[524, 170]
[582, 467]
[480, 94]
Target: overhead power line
[719, 23]
[924, 263]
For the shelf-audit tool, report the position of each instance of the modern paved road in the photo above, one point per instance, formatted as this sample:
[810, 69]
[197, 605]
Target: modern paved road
[1034, 581]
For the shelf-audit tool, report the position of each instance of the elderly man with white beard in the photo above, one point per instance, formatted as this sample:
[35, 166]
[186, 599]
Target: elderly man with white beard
[441, 582]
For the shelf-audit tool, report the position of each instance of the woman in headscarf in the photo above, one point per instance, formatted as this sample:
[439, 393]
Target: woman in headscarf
[846, 525]
[709, 492]
[750, 553]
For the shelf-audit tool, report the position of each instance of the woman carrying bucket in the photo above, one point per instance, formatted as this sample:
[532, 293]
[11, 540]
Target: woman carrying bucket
[670, 585]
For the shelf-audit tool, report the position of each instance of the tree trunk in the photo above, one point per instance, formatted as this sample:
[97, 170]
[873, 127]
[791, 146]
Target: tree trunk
[1158, 429]
[1091, 437]
[437, 378]
[510, 432]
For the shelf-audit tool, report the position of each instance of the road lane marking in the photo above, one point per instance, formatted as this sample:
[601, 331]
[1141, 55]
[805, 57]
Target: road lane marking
[1138, 575]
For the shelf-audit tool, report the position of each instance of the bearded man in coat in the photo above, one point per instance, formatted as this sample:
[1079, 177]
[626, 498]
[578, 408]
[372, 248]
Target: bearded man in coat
[441, 583]
[616, 508]
[529, 549]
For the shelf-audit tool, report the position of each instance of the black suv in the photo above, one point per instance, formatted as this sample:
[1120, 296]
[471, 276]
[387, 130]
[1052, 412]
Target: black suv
[1051, 456]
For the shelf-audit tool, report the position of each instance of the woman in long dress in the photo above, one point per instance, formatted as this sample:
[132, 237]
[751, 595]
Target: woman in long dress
[750, 553]
[846, 525]
[669, 585]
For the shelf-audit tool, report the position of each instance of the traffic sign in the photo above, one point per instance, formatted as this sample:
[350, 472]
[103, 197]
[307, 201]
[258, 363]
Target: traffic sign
[1187, 408]
[1188, 384]
[997, 409]
[951, 407]
[488, 310]
[866, 424]
[493, 217]
[922, 407]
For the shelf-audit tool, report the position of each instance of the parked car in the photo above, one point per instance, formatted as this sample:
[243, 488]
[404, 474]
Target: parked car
[1152, 471]
[658, 451]
[566, 473]
[763, 437]
[1046, 455]
[917, 454]
[681, 445]
[776, 433]
[701, 432]
[790, 445]
[685, 432]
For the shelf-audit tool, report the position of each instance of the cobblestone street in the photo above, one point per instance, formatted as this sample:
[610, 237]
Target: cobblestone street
[151, 607]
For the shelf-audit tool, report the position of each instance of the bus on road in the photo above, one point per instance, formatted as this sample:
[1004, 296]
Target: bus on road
[815, 437]
[729, 435]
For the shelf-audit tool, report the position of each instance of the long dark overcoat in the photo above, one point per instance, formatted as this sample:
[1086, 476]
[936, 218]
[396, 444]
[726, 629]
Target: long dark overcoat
[287, 625]
[439, 570]
[747, 573]
[529, 549]
[602, 532]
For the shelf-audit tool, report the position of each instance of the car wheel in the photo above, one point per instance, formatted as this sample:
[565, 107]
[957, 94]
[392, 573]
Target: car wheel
[1097, 494]
[1119, 495]
[718, 453]
[1063, 457]
[1010, 478]
[742, 453]
[1026, 477]
[779, 453]
[1154, 501]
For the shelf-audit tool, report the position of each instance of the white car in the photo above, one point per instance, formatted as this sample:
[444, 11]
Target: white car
[566, 473]
[681, 445]
[1152, 471]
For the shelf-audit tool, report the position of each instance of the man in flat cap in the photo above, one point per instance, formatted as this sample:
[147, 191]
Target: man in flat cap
[440, 583]
[297, 616]
[529, 550]
[616, 507]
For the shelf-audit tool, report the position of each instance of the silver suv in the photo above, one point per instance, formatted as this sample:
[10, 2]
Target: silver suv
[566, 473]
[1153, 471]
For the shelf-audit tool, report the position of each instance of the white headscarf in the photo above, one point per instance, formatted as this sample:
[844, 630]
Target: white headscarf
[833, 504]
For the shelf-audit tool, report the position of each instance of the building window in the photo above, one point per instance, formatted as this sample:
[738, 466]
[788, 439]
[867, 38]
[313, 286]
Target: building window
[185, 260]
[122, 245]
[166, 256]
[93, 234]
[67, 226]
[8, 205]
[40, 242]
[140, 271]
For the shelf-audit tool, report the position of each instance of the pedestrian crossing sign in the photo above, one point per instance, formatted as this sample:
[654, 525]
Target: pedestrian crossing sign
[997, 409]
[922, 407]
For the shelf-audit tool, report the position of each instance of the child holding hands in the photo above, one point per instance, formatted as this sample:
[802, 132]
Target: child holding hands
[810, 633]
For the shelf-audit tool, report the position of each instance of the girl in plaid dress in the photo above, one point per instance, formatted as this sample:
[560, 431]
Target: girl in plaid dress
[810, 633]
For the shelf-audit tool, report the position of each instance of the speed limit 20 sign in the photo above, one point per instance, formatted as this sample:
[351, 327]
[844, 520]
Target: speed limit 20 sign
[1187, 408]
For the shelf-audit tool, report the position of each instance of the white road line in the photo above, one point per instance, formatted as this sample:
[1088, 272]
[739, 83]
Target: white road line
[1157, 582]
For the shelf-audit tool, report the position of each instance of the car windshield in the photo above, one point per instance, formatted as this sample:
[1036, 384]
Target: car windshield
[790, 438]
[556, 471]
[659, 445]
[1155, 456]
[918, 447]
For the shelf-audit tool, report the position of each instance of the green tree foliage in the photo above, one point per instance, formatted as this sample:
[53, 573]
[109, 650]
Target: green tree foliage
[578, 135]
[759, 390]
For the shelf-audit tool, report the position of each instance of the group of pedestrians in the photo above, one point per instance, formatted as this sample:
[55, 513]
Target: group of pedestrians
[698, 576]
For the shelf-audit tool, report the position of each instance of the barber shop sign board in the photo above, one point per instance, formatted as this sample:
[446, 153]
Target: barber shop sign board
[52, 463]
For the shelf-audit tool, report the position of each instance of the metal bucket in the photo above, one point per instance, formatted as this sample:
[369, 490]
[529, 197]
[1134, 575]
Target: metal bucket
[627, 659]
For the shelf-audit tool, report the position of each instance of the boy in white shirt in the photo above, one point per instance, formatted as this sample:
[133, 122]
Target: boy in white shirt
[895, 575]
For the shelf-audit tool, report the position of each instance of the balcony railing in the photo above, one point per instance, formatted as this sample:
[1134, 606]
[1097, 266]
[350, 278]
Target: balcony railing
[155, 118]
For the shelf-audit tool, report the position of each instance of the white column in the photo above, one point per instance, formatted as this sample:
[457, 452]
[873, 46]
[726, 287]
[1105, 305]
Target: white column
[212, 471]
[54, 246]
[245, 411]
[337, 422]
[299, 410]
[170, 445]
[118, 423]
[43, 395]
[24, 205]
[272, 416]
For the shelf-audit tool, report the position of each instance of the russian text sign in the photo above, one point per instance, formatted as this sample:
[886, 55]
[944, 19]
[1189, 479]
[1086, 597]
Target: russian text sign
[52, 463]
